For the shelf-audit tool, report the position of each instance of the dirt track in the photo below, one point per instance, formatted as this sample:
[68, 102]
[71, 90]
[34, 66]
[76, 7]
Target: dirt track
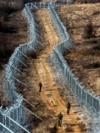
[50, 98]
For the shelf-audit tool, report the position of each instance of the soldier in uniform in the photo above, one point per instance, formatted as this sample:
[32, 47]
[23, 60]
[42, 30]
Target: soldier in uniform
[40, 86]
[60, 117]
[68, 106]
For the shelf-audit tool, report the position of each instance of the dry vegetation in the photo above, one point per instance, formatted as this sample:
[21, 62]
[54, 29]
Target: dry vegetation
[83, 25]
[47, 103]
[18, 32]
[13, 31]
[31, 93]
[86, 1]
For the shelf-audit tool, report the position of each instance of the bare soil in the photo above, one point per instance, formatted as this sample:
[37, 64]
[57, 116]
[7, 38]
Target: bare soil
[13, 31]
[83, 25]
[49, 102]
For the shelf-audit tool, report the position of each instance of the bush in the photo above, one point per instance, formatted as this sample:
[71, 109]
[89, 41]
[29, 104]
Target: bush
[89, 31]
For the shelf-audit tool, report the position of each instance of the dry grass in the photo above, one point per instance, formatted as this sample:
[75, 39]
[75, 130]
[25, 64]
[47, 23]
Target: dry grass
[87, 1]
[45, 127]
[82, 22]
[13, 31]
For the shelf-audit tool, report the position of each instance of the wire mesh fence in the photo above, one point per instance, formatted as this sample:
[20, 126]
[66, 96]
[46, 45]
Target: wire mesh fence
[15, 116]
[84, 97]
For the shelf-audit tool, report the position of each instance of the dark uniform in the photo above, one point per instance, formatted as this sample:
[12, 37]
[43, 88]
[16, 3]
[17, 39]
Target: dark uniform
[40, 86]
[68, 106]
[60, 117]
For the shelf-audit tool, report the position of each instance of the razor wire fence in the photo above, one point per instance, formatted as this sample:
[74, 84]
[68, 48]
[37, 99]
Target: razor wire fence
[13, 117]
[10, 115]
[4, 129]
[84, 96]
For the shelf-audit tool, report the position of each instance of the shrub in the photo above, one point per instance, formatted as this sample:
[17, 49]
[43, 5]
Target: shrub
[89, 30]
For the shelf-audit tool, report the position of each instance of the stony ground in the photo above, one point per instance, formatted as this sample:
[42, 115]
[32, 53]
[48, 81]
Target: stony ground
[49, 102]
[83, 24]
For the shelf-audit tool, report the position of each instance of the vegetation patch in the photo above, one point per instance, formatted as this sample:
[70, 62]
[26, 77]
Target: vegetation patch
[83, 24]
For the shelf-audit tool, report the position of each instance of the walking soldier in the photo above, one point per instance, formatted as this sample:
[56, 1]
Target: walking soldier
[40, 86]
[68, 106]
[60, 117]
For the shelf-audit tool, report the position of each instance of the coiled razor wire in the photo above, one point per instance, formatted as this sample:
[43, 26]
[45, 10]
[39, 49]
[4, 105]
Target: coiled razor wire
[10, 116]
[13, 117]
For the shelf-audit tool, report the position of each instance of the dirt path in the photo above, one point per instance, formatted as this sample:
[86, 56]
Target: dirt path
[50, 101]
[50, 94]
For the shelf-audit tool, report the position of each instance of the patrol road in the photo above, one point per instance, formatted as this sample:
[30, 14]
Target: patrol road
[41, 71]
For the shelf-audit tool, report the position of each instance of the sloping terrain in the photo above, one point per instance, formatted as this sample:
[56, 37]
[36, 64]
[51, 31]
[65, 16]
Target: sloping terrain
[13, 31]
[49, 102]
[83, 24]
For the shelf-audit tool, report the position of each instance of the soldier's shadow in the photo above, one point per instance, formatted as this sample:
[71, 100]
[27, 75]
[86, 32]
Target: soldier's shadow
[53, 130]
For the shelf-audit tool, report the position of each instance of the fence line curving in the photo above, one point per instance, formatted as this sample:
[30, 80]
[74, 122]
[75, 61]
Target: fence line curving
[12, 117]
[86, 97]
